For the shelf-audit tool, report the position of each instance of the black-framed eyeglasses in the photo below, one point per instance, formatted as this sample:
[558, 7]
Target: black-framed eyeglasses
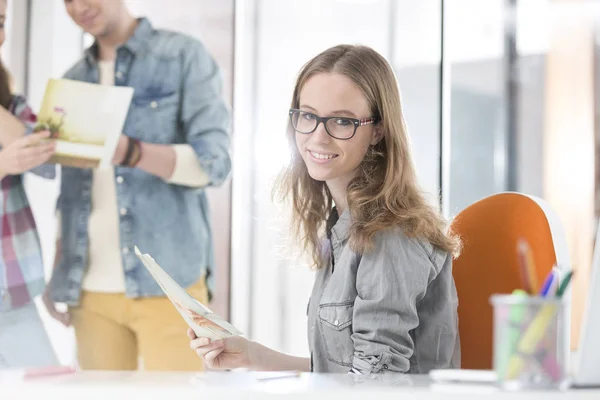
[342, 128]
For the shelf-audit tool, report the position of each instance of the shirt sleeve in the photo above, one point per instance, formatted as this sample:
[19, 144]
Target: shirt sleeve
[405, 310]
[204, 114]
[20, 108]
[188, 171]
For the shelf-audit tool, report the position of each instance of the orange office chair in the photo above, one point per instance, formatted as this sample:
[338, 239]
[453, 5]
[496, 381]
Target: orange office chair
[488, 264]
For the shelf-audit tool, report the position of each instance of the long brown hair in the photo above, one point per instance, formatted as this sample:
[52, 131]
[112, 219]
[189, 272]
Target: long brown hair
[385, 194]
[5, 91]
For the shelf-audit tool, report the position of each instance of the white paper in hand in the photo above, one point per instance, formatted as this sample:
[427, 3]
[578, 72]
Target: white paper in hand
[203, 321]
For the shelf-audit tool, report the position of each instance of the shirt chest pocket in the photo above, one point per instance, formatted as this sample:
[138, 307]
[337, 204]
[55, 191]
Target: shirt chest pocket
[335, 320]
[155, 114]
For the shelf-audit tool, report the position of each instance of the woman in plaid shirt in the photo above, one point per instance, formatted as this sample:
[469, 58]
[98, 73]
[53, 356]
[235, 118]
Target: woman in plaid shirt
[23, 340]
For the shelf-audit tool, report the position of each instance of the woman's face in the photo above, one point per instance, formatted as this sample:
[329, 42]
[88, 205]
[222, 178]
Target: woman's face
[329, 159]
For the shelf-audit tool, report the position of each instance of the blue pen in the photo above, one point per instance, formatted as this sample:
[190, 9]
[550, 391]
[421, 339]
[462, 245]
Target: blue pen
[556, 281]
[551, 283]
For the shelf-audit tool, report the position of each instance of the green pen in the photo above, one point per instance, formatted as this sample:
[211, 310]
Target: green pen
[512, 332]
[564, 284]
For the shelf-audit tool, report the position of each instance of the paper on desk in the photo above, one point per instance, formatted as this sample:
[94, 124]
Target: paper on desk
[203, 321]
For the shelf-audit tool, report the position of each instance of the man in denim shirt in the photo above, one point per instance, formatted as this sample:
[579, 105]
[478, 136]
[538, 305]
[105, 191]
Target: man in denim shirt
[175, 142]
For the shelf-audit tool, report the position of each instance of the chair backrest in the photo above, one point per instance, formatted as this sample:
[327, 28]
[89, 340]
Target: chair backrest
[489, 264]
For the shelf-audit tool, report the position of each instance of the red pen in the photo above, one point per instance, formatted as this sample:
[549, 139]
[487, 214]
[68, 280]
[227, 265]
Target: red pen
[42, 372]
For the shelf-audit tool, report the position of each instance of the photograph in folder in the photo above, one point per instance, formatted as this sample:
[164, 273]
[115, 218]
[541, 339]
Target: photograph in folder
[85, 119]
[203, 321]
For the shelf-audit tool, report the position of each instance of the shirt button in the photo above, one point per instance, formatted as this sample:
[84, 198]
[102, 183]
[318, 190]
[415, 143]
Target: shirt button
[119, 179]
[336, 322]
[154, 104]
[123, 211]
[119, 74]
[125, 250]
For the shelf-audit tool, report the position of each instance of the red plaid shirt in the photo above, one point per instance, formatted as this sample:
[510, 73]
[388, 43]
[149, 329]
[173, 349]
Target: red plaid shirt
[21, 266]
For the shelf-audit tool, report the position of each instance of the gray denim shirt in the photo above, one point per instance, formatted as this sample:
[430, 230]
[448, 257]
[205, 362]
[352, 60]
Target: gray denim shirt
[391, 309]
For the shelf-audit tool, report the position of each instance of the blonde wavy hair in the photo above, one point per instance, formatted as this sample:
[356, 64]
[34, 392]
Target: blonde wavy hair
[385, 194]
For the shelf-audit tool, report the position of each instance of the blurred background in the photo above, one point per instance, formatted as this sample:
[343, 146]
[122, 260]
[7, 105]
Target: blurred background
[499, 95]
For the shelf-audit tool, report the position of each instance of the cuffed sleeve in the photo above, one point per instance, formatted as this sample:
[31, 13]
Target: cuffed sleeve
[437, 343]
[188, 171]
[405, 310]
[205, 116]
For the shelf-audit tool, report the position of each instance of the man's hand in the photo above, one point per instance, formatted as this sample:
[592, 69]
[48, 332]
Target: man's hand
[62, 317]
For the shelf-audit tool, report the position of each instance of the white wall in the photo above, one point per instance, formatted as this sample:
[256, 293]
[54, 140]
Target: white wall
[12, 52]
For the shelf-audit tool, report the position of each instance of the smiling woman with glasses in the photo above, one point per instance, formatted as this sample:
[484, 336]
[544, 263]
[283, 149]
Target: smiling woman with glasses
[383, 299]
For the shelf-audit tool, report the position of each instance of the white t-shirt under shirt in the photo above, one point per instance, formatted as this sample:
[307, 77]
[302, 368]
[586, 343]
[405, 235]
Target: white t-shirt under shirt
[105, 269]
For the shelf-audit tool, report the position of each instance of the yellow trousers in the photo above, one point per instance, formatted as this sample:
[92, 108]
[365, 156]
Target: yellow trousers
[114, 332]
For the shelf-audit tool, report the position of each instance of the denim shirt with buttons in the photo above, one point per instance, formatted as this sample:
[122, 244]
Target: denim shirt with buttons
[392, 309]
[177, 100]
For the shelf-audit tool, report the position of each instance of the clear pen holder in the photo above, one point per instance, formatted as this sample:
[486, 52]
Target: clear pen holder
[529, 342]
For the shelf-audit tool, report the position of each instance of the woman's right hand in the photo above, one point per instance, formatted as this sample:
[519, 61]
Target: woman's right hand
[233, 352]
[26, 153]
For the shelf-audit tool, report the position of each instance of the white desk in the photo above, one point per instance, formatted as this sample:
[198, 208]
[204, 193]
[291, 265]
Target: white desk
[240, 385]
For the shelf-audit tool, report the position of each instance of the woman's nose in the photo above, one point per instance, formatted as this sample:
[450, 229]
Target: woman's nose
[320, 134]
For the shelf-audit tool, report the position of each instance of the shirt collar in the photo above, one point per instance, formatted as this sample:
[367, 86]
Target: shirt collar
[338, 227]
